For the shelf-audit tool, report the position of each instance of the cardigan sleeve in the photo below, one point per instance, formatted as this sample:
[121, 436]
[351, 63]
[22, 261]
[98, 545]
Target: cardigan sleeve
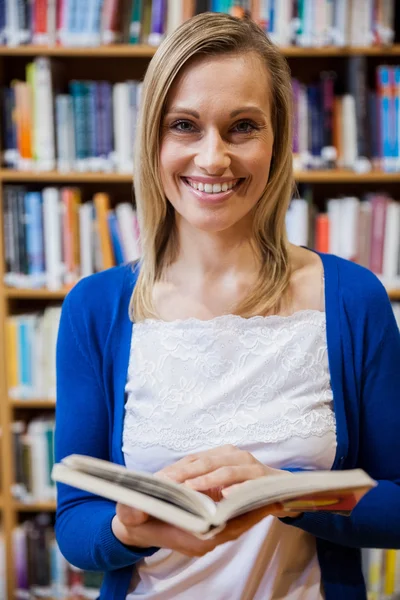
[83, 521]
[375, 520]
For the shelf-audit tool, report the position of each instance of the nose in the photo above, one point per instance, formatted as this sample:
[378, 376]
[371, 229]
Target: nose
[212, 155]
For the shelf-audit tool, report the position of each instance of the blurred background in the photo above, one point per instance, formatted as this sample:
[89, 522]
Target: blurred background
[70, 88]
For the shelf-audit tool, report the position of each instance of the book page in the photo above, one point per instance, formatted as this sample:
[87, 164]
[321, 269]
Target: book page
[304, 490]
[145, 483]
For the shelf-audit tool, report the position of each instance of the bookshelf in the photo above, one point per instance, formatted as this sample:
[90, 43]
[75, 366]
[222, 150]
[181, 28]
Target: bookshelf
[131, 59]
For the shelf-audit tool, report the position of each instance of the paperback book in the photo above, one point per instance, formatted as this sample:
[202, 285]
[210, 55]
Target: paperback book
[179, 505]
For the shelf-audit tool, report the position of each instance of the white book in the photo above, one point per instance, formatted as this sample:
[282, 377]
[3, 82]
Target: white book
[43, 115]
[335, 224]
[65, 130]
[52, 238]
[52, 22]
[12, 32]
[36, 432]
[92, 37]
[179, 505]
[349, 216]
[391, 245]
[174, 15]
[122, 138]
[349, 131]
[340, 23]
[86, 238]
[297, 219]
[126, 224]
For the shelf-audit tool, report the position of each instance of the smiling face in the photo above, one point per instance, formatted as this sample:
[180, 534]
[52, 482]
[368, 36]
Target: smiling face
[217, 141]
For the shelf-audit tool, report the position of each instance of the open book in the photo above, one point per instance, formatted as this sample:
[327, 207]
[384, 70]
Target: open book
[179, 505]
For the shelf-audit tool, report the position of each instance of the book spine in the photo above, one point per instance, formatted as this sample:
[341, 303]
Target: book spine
[34, 238]
[158, 16]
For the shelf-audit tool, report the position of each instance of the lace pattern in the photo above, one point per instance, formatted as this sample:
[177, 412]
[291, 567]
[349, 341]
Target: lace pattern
[194, 383]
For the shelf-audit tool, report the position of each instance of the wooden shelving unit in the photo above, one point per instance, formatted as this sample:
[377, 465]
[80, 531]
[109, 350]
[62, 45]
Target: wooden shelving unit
[132, 58]
[323, 176]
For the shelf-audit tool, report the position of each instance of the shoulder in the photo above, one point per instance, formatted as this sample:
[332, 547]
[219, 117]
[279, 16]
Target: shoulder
[356, 284]
[96, 298]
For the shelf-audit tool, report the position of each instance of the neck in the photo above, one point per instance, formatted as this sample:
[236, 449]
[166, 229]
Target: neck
[212, 255]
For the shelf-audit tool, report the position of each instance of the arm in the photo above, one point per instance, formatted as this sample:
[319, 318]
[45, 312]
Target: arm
[375, 520]
[83, 521]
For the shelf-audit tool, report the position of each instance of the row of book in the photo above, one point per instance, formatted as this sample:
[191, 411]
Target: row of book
[337, 123]
[342, 123]
[33, 451]
[382, 573]
[41, 570]
[31, 347]
[94, 22]
[52, 238]
[31, 344]
[90, 128]
[364, 230]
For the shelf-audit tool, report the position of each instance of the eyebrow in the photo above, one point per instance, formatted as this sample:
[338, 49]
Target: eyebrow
[234, 113]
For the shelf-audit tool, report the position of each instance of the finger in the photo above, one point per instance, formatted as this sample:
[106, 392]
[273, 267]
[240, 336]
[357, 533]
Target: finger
[160, 534]
[182, 471]
[226, 476]
[131, 517]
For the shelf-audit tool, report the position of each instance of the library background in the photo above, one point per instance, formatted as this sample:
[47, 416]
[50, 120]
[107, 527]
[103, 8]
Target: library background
[70, 77]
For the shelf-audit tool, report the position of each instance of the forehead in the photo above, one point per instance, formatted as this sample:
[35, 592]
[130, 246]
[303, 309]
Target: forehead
[223, 82]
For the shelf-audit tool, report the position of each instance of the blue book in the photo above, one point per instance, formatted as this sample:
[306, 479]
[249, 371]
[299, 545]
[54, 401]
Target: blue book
[34, 238]
[78, 93]
[115, 238]
[385, 115]
[24, 355]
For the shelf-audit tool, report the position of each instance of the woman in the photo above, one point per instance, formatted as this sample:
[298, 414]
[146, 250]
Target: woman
[247, 356]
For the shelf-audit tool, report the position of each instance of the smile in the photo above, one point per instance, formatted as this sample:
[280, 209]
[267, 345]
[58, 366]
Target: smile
[212, 188]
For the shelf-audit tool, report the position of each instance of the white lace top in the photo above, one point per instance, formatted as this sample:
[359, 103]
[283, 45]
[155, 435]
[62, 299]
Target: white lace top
[261, 384]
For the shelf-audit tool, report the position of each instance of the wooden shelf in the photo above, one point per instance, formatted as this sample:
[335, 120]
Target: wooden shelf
[394, 295]
[11, 176]
[49, 506]
[325, 176]
[33, 294]
[113, 51]
[146, 51]
[346, 176]
[43, 294]
[36, 403]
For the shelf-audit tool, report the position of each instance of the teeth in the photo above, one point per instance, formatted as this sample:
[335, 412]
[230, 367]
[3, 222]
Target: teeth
[210, 188]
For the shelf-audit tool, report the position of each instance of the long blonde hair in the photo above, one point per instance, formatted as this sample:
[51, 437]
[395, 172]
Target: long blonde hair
[212, 34]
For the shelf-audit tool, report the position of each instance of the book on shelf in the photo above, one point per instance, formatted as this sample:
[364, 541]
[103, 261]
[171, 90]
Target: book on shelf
[94, 22]
[364, 230]
[338, 121]
[31, 347]
[33, 448]
[53, 238]
[196, 512]
[41, 571]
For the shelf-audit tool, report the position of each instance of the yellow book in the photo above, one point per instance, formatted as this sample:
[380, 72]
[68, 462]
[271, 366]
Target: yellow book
[390, 573]
[12, 353]
[102, 206]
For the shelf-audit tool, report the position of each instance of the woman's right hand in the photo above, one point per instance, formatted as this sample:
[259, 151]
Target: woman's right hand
[135, 528]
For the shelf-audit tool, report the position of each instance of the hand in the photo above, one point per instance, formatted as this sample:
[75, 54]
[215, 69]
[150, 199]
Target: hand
[135, 528]
[218, 471]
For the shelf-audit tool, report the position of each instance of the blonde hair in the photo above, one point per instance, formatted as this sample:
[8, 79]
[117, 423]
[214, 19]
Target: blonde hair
[212, 34]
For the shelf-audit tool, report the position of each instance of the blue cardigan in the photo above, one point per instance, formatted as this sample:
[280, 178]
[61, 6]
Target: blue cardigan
[364, 359]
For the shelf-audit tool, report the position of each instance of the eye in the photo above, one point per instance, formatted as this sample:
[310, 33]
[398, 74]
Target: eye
[245, 127]
[182, 126]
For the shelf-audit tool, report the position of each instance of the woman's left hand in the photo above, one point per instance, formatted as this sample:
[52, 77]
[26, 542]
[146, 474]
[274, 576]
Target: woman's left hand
[218, 471]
